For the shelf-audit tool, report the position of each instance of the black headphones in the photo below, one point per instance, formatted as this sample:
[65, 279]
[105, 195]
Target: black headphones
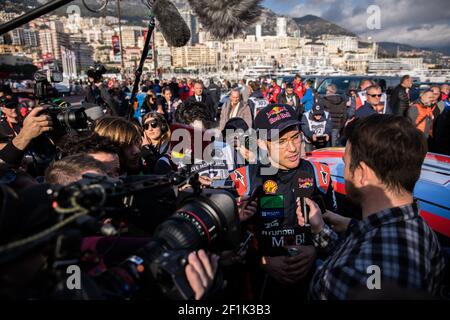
[160, 119]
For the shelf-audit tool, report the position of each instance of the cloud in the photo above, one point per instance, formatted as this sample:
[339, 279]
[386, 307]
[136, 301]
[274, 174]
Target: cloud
[415, 21]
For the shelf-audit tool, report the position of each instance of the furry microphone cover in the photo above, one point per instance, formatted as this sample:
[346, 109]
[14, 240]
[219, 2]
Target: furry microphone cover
[174, 29]
[226, 19]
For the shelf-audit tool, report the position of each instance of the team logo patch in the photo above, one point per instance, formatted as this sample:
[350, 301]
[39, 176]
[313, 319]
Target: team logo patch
[239, 176]
[270, 187]
[277, 113]
[305, 183]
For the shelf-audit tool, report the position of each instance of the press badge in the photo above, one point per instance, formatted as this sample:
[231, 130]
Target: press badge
[272, 206]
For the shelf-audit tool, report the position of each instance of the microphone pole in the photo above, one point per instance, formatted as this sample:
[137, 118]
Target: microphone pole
[138, 72]
[33, 14]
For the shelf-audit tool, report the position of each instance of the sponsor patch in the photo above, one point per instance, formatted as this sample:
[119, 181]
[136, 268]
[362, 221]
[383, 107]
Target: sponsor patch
[270, 187]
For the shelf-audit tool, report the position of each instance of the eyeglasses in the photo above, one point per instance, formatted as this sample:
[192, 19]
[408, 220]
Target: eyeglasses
[284, 142]
[153, 124]
[375, 95]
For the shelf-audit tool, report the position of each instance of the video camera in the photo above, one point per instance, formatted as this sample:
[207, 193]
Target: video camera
[179, 223]
[96, 72]
[43, 89]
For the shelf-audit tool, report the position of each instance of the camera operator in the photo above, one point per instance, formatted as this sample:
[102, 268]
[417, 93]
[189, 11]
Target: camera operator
[391, 235]
[96, 92]
[283, 258]
[29, 274]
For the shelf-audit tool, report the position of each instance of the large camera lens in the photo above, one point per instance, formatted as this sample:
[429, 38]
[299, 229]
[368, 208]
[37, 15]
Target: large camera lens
[207, 221]
[201, 222]
[74, 118]
[64, 119]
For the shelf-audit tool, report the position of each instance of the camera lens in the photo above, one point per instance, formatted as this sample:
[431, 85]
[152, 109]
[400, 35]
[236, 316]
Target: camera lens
[74, 118]
[201, 220]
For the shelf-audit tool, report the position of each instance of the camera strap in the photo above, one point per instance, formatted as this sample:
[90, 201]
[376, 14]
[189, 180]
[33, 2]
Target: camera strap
[12, 127]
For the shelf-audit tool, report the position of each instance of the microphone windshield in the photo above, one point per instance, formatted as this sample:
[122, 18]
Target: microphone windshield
[224, 19]
[303, 184]
[174, 29]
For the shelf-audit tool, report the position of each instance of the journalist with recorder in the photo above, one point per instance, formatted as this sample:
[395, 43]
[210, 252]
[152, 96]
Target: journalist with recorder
[391, 236]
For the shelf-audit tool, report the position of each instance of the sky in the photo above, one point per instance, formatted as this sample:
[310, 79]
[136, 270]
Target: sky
[424, 23]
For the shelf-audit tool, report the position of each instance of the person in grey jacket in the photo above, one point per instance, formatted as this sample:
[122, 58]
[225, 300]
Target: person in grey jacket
[235, 108]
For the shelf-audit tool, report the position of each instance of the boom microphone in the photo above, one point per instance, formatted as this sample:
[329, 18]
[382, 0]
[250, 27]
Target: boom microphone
[172, 25]
[303, 188]
[224, 19]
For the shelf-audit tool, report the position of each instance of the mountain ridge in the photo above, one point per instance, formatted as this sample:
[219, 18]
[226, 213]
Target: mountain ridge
[309, 25]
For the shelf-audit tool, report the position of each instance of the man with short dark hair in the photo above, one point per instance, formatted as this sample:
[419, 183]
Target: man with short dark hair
[400, 98]
[291, 98]
[99, 148]
[72, 168]
[201, 96]
[391, 239]
[274, 91]
[275, 225]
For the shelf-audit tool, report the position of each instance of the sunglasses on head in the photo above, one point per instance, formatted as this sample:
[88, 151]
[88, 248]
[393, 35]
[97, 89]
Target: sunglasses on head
[375, 95]
[153, 124]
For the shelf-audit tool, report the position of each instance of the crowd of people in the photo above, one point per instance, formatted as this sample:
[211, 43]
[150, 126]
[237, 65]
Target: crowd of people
[292, 255]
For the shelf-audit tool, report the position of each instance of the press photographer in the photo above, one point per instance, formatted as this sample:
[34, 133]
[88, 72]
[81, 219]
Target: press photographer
[97, 93]
[30, 141]
[20, 137]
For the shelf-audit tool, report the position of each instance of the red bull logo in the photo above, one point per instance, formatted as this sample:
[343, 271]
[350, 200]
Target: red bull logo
[305, 183]
[275, 111]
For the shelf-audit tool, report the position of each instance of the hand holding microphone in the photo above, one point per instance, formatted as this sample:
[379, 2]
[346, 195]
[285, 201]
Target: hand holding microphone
[308, 212]
[315, 216]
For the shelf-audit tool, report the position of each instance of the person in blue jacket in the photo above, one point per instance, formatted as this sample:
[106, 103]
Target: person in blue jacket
[308, 97]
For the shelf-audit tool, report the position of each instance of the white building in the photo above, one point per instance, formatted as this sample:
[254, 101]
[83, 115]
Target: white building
[281, 27]
[341, 43]
[395, 65]
[258, 31]
[69, 64]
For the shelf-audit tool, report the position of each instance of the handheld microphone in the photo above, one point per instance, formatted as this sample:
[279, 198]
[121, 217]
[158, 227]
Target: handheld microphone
[174, 29]
[224, 19]
[303, 188]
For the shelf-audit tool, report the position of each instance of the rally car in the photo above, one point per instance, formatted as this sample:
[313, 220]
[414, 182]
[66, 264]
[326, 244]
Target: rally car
[432, 191]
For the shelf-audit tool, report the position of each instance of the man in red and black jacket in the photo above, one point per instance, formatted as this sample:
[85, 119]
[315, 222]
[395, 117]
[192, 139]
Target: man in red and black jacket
[274, 274]
[299, 89]
[274, 91]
